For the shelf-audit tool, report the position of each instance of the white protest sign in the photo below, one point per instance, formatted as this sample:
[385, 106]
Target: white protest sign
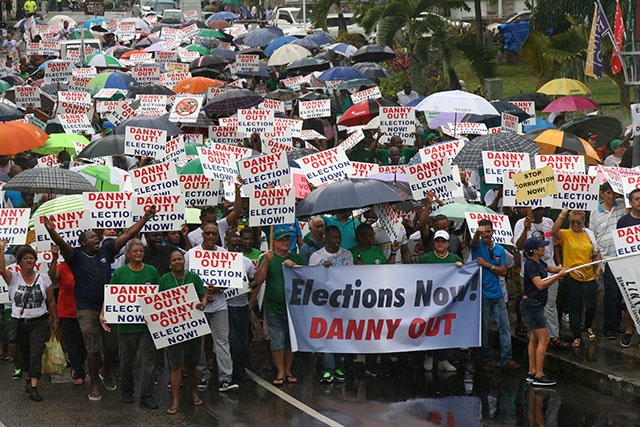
[178, 67]
[465, 128]
[76, 123]
[79, 84]
[200, 191]
[509, 194]
[315, 109]
[152, 102]
[108, 209]
[188, 56]
[175, 151]
[627, 240]
[294, 126]
[163, 57]
[121, 303]
[271, 206]
[270, 146]
[369, 93]
[442, 150]
[169, 215]
[629, 183]
[502, 232]
[509, 122]
[389, 221]
[48, 161]
[576, 191]
[363, 170]
[140, 58]
[84, 72]
[325, 166]
[185, 108]
[496, 162]
[148, 142]
[272, 104]
[528, 107]
[561, 162]
[126, 31]
[172, 316]
[248, 62]
[399, 121]
[57, 71]
[4, 292]
[74, 102]
[146, 75]
[254, 120]
[224, 135]
[14, 224]
[352, 140]
[69, 226]
[393, 169]
[635, 119]
[219, 163]
[435, 175]
[123, 110]
[49, 48]
[172, 78]
[27, 95]
[156, 179]
[217, 268]
[235, 31]
[264, 170]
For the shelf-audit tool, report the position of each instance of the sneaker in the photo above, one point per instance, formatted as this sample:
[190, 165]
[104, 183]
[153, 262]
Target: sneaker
[17, 374]
[326, 378]
[227, 385]
[625, 341]
[544, 381]
[339, 375]
[428, 363]
[203, 383]
[446, 366]
[531, 378]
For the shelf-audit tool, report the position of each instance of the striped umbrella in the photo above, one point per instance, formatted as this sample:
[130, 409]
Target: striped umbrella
[103, 61]
[60, 204]
[113, 80]
[49, 181]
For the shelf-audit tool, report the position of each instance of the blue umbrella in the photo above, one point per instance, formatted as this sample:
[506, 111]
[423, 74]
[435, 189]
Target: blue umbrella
[306, 43]
[539, 124]
[93, 21]
[225, 53]
[277, 43]
[320, 37]
[341, 73]
[225, 16]
[20, 23]
[415, 102]
[41, 66]
[262, 36]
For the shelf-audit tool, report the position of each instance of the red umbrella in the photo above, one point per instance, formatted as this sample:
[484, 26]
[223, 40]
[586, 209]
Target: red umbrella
[126, 55]
[362, 112]
[571, 103]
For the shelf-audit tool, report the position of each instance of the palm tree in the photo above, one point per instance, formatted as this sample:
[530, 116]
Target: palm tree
[320, 11]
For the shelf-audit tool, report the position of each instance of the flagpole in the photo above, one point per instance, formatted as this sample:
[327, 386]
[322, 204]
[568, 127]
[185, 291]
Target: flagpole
[557, 275]
[609, 32]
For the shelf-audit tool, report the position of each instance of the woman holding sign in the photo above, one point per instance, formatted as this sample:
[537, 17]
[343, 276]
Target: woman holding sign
[188, 352]
[33, 312]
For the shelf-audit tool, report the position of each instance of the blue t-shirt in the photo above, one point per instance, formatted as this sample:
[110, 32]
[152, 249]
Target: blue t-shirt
[347, 229]
[531, 270]
[497, 256]
[91, 274]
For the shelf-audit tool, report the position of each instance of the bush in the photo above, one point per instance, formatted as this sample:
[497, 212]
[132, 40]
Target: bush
[357, 40]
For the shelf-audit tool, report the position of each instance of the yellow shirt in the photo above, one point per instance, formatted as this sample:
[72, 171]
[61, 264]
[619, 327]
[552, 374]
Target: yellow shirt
[577, 249]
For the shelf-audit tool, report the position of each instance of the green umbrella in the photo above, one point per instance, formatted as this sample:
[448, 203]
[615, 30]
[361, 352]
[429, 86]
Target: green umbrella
[103, 177]
[208, 33]
[61, 204]
[115, 97]
[456, 211]
[194, 167]
[102, 60]
[4, 85]
[77, 34]
[58, 142]
[198, 48]
[192, 149]
[235, 3]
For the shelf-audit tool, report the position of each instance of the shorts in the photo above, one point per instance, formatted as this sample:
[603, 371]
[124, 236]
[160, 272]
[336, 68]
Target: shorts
[278, 331]
[533, 313]
[95, 338]
[185, 353]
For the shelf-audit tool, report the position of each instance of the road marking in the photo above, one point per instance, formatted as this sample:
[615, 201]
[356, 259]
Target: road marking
[293, 401]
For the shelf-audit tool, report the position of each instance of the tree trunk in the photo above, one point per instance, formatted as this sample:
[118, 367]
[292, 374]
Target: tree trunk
[479, 26]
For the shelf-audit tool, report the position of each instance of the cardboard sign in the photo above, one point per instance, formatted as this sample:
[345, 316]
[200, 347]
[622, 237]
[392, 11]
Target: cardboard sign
[436, 175]
[49, 48]
[260, 172]
[509, 123]
[496, 162]
[146, 75]
[502, 232]
[169, 215]
[442, 150]
[172, 316]
[577, 191]
[224, 135]
[57, 71]
[509, 194]
[254, 120]
[156, 179]
[363, 170]
[534, 184]
[148, 142]
[248, 62]
[271, 206]
[14, 224]
[400, 121]
[369, 93]
[27, 95]
[186, 108]
[352, 140]
[76, 123]
[325, 166]
[74, 102]
[108, 209]
[121, 303]
[315, 109]
[69, 226]
[561, 162]
[178, 67]
[198, 190]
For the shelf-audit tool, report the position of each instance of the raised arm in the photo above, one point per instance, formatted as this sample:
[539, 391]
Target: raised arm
[555, 230]
[54, 274]
[6, 274]
[65, 248]
[132, 231]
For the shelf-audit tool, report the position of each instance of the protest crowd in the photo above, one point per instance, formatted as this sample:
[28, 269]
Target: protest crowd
[174, 196]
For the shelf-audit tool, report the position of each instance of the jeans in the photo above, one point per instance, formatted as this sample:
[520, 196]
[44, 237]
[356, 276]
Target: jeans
[613, 302]
[129, 345]
[497, 309]
[239, 338]
[577, 292]
[219, 324]
[74, 345]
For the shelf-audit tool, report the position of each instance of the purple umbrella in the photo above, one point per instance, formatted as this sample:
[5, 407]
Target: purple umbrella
[443, 119]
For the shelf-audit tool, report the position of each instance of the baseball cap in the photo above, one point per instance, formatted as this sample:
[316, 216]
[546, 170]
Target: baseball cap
[616, 143]
[441, 234]
[534, 243]
[280, 234]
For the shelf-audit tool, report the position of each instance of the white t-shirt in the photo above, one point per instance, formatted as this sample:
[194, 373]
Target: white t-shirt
[28, 301]
[541, 231]
[342, 257]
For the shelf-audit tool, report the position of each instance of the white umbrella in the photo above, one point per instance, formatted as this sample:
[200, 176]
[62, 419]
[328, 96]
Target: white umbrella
[288, 53]
[140, 24]
[59, 19]
[343, 49]
[456, 101]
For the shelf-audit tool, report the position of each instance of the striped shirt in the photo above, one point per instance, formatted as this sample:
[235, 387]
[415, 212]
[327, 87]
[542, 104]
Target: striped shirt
[603, 222]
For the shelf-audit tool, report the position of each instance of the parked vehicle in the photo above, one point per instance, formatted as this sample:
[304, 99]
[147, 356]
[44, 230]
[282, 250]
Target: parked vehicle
[515, 18]
[142, 8]
[172, 16]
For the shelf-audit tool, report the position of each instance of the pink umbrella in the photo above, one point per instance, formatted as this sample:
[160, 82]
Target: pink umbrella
[571, 103]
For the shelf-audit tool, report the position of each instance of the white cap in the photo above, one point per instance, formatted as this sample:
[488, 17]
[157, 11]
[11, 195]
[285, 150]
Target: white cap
[441, 234]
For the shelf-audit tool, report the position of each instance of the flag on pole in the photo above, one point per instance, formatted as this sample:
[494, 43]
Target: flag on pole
[599, 27]
[618, 38]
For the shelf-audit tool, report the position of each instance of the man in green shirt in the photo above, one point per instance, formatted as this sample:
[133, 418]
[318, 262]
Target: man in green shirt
[385, 155]
[275, 306]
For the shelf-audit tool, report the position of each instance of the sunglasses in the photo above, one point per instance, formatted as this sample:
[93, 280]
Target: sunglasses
[210, 233]
[575, 222]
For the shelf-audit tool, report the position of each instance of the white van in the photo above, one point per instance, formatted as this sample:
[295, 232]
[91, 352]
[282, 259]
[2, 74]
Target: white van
[67, 45]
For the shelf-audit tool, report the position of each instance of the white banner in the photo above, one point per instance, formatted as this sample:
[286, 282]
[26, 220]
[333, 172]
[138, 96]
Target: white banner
[121, 303]
[27, 95]
[175, 151]
[146, 75]
[57, 71]
[74, 102]
[635, 119]
[509, 123]
[224, 135]
[248, 62]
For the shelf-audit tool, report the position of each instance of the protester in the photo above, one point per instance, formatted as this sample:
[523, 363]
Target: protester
[315, 240]
[208, 215]
[406, 95]
[618, 149]
[630, 219]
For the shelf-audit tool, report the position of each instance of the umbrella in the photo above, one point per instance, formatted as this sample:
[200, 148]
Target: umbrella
[262, 36]
[150, 89]
[443, 119]
[470, 157]
[113, 80]
[373, 53]
[282, 95]
[355, 83]
[59, 204]
[362, 112]
[17, 137]
[456, 101]
[140, 24]
[210, 33]
[152, 122]
[341, 73]
[103, 61]
[541, 100]
[571, 103]
[195, 85]
[194, 167]
[93, 21]
[262, 73]
[343, 49]
[550, 140]
[110, 145]
[103, 178]
[252, 51]
[607, 128]
[58, 142]
[213, 61]
[492, 120]
[218, 24]
[20, 23]
[349, 193]
[232, 100]
[277, 43]
[12, 78]
[227, 54]
[223, 16]
[564, 87]
[306, 65]
[287, 54]
[234, 3]
[59, 19]
[320, 37]
[306, 43]
[9, 113]
[198, 48]
[456, 211]
[539, 124]
[373, 70]
[49, 181]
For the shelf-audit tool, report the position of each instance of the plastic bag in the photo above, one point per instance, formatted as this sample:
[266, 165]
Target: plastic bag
[53, 360]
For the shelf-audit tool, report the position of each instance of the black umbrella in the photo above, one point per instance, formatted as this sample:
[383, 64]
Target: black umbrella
[253, 51]
[373, 70]
[262, 36]
[49, 181]
[208, 61]
[349, 193]
[306, 65]
[151, 89]
[152, 122]
[209, 73]
[110, 145]
[540, 99]
[228, 54]
[9, 113]
[282, 95]
[470, 157]
[607, 128]
[373, 53]
[199, 23]
[232, 100]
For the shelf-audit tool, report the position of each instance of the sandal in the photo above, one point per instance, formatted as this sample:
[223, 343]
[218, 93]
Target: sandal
[94, 397]
[291, 379]
[558, 344]
[591, 334]
[108, 383]
[278, 381]
[576, 343]
[173, 411]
